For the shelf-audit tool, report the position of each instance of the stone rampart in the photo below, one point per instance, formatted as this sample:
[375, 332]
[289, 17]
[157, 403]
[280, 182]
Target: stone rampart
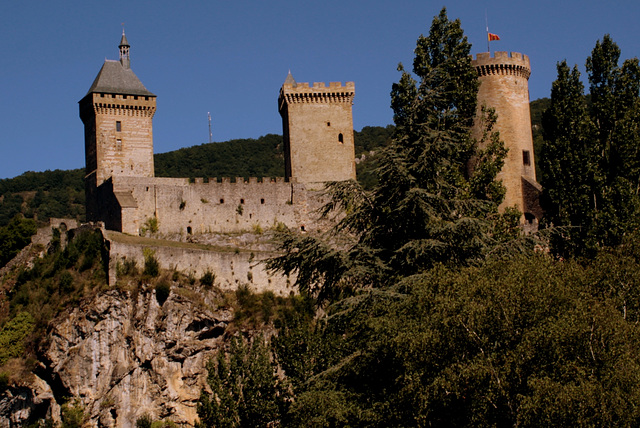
[231, 266]
[186, 207]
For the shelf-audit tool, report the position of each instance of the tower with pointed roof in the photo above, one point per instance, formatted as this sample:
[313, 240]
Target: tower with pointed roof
[117, 113]
[317, 125]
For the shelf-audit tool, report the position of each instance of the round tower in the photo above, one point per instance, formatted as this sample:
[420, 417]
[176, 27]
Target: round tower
[504, 86]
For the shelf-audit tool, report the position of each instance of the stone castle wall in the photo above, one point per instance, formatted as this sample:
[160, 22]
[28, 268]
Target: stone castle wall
[231, 267]
[318, 131]
[504, 86]
[185, 207]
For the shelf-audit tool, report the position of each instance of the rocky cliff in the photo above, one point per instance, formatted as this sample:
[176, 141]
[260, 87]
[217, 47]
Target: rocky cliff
[123, 355]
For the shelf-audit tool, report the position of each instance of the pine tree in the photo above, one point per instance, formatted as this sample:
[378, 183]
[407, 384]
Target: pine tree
[437, 197]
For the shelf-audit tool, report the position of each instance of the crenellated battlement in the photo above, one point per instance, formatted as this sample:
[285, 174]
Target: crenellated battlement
[502, 63]
[318, 93]
[238, 180]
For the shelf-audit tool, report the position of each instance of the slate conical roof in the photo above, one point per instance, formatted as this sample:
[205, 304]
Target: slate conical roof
[290, 79]
[123, 40]
[114, 78]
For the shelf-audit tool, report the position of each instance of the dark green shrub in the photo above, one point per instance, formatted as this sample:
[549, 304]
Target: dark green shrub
[151, 265]
[66, 282]
[208, 279]
[144, 421]
[4, 381]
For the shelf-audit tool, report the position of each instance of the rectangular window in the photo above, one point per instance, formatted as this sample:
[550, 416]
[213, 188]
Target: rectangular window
[526, 157]
[118, 126]
[118, 144]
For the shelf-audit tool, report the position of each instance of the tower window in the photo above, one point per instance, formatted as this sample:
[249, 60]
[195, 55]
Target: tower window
[340, 138]
[118, 126]
[118, 144]
[135, 97]
[328, 123]
[526, 157]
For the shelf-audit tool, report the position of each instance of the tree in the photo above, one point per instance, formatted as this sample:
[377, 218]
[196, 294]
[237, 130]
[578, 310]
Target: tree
[591, 157]
[568, 159]
[244, 388]
[14, 237]
[437, 196]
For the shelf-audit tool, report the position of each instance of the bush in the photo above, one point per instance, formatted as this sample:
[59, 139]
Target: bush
[66, 282]
[13, 334]
[208, 279]
[151, 265]
[4, 381]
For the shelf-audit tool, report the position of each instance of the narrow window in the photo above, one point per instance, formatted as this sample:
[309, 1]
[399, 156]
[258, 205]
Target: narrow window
[302, 229]
[124, 97]
[526, 157]
[221, 201]
[118, 126]
[118, 144]
[135, 97]
[189, 230]
[262, 201]
[328, 123]
[242, 201]
[340, 138]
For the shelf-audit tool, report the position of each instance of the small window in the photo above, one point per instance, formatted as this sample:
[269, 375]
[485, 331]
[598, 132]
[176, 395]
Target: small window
[526, 157]
[113, 95]
[242, 201]
[118, 126]
[221, 201]
[118, 144]
[262, 201]
[135, 97]
[328, 123]
[189, 230]
[302, 229]
[124, 97]
[340, 138]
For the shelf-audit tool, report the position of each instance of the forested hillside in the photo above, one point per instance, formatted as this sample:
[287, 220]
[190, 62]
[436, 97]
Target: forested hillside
[60, 194]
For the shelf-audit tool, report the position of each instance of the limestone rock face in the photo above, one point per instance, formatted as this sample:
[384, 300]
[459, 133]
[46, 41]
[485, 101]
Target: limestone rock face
[19, 405]
[124, 355]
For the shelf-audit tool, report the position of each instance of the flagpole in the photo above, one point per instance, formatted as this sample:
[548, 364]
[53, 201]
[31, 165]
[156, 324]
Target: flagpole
[486, 20]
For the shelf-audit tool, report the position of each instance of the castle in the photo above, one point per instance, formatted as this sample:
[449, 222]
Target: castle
[122, 192]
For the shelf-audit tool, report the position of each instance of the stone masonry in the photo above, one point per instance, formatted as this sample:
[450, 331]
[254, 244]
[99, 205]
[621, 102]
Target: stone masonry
[504, 87]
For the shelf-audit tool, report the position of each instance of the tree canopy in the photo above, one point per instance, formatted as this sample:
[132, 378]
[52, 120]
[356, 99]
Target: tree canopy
[437, 196]
[590, 159]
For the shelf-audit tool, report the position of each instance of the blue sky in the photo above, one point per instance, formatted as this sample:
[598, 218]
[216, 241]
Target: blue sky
[230, 58]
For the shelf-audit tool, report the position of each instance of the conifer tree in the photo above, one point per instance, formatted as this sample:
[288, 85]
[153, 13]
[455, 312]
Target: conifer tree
[437, 197]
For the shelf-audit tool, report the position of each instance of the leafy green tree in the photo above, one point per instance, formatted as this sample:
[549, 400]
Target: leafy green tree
[593, 182]
[568, 159]
[437, 195]
[14, 237]
[244, 388]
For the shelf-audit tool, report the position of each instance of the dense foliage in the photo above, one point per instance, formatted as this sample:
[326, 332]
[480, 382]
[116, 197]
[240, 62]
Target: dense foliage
[15, 236]
[590, 159]
[437, 196]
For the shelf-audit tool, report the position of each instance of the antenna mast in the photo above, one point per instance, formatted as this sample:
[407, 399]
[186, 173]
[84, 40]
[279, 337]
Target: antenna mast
[210, 134]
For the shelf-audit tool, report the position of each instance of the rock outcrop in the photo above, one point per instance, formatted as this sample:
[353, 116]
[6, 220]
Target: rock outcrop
[124, 355]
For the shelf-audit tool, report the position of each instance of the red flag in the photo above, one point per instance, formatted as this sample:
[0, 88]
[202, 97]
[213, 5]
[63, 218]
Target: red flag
[493, 37]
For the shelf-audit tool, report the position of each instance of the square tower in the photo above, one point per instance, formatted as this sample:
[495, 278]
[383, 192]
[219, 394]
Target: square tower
[317, 127]
[117, 113]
